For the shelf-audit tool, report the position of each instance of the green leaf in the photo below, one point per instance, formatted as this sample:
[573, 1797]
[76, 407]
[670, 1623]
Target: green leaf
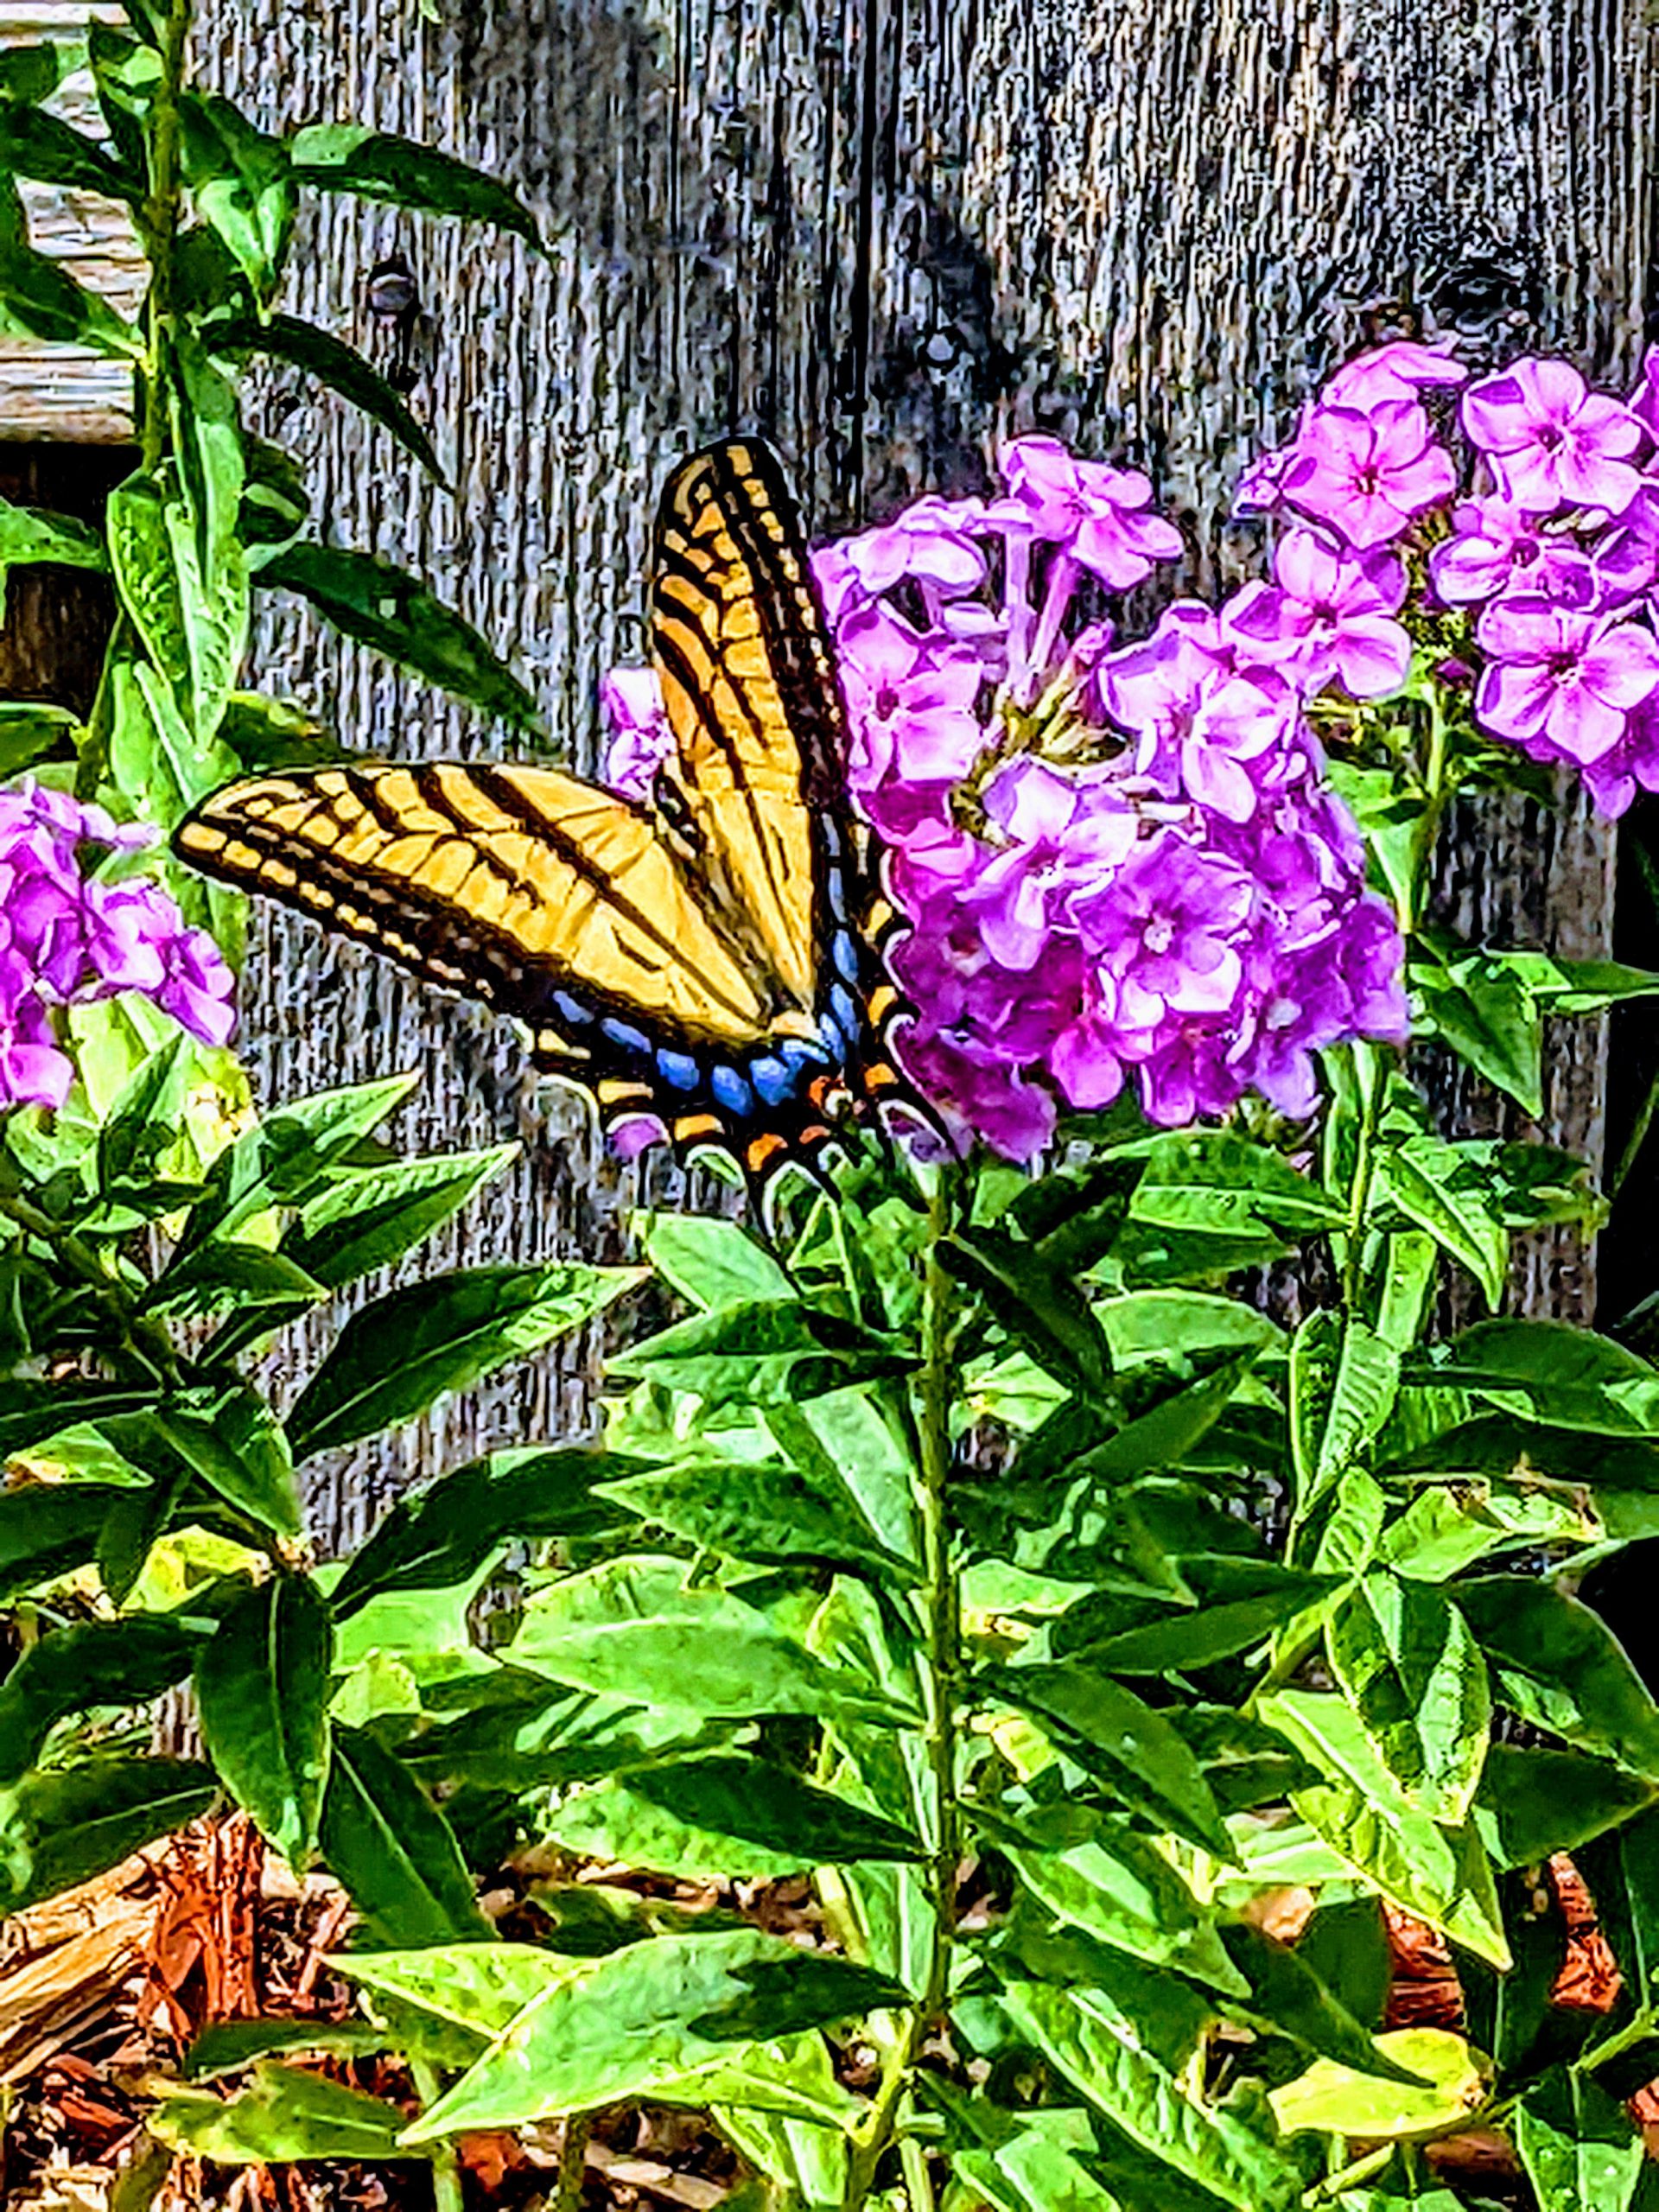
[229, 2046]
[1578, 2148]
[635, 1628]
[1534, 1803]
[1216, 1183]
[712, 1261]
[333, 362]
[1044, 1311]
[1439, 1874]
[1339, 2101]
[43, 147]
[1442, 1190]
[761, 1354]
[1118, 1886]
[1561, 1667]
[192, 624]
[1165, 1436]
[126, 74]
[1561, 1375]
[49, 1530]
[1287, 1998]
[262, 1684]
[242, 181]
[1087, 2037]
[627, 2025]
[207, 446]
[1344, 1379]
[291, 1155]
[31, 534]
[394, 1851]
[285, 2114]
[755, 1510]
[142, 1126]
[396, 1356]
[40, 299]
[34, 73]
[85, 1664]
[477, 1988]
[351, 157]
[227, 1439]
[1410, 1669]
[264, 732]
[717, 1808]
[1488, 1018]
[64, 1826]
[394, 613]
[1200, 1637]
[367, 1219]
[215, 1278]
[439, 1535]
[29, 732]
[1124, 1742]
[1040, 2165]
[155, 762]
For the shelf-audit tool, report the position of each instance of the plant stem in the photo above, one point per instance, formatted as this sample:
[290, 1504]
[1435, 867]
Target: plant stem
[1362, 2169]
[573, 2161]
[1368, 1074]
[446, 2167]
[157, 219]
[941, 1602]
[147, 1340]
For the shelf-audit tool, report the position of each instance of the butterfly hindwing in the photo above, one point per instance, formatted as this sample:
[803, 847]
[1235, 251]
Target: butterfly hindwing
[699, 965]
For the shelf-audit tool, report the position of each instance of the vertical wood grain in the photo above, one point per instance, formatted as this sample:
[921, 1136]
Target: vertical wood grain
[880, 231]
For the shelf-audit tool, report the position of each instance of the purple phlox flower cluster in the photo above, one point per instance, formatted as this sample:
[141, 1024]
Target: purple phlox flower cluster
[1556, 555]
[68, 937]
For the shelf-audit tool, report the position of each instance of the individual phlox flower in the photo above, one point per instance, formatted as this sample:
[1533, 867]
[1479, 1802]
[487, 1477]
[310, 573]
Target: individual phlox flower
[1562, 680]
[631, 699]
[1550, 439]
[1328, 618]
[1368, 474]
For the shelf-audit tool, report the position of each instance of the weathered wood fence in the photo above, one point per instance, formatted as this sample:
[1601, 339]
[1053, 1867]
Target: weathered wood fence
[878, 231]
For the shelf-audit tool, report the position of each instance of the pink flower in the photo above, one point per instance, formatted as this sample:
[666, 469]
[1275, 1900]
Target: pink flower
[1062, 838]
[1400, 370]
[1092, 512]
[1551, 441]
[1498, 547]
[1330, 618]
[1222, 733]
[911, 702]
[1562, 680]
[1369, 475]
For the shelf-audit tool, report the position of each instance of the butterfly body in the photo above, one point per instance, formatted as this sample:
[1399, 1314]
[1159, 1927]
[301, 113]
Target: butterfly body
[701, 959]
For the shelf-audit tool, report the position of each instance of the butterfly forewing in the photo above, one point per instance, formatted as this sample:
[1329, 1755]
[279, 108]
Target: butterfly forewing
[507, 882]
[750, 688]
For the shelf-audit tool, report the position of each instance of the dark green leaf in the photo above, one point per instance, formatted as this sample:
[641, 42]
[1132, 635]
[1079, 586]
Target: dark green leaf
[350, 157]
[70, 1823]
[262, 1684]
[1533, 1802]
[87, 1663]
[49, 1530]
[340, 366]
[1347, 1946]
[1125, 1743]
[394, 613]
[218, 1278]
[227, 2046]
[437, 1537]
[34, 73]
[382, 1837]
[207, 448]
[266, 733]
[1560, 1666]
[1214, 1182]
[125, 73]
[1287, 1998]
[1043, 1309]
[396, 1356]
[291, 1155]
[227, 1439]
[40, 299]
[754, 1801]
[1578, 2149]
[142, 1124]
[1488, 1018]
[366, 1219]
[1563, 1375]
[35, 144]
[1443, 1191]
[1162, 1439]
[29, 732]
[242, 180]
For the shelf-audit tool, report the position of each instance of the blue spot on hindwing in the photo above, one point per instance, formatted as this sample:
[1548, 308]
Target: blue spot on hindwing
[729, 1090]
[770, 1076]
[572, 1010]
[798, 1053]
[844, 1007]
[677, 1068]
[844, 953]
[829, 1030]
[619, 1032]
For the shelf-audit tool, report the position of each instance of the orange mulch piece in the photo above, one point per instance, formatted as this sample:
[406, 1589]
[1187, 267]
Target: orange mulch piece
[201, 1958]
[1425, 1991]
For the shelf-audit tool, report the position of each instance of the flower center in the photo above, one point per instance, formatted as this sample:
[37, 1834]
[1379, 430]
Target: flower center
[887, 702]
[1159, 934]
[1550, 438]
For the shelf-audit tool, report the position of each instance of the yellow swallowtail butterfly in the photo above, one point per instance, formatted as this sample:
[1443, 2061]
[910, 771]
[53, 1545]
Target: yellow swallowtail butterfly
[708, 958]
